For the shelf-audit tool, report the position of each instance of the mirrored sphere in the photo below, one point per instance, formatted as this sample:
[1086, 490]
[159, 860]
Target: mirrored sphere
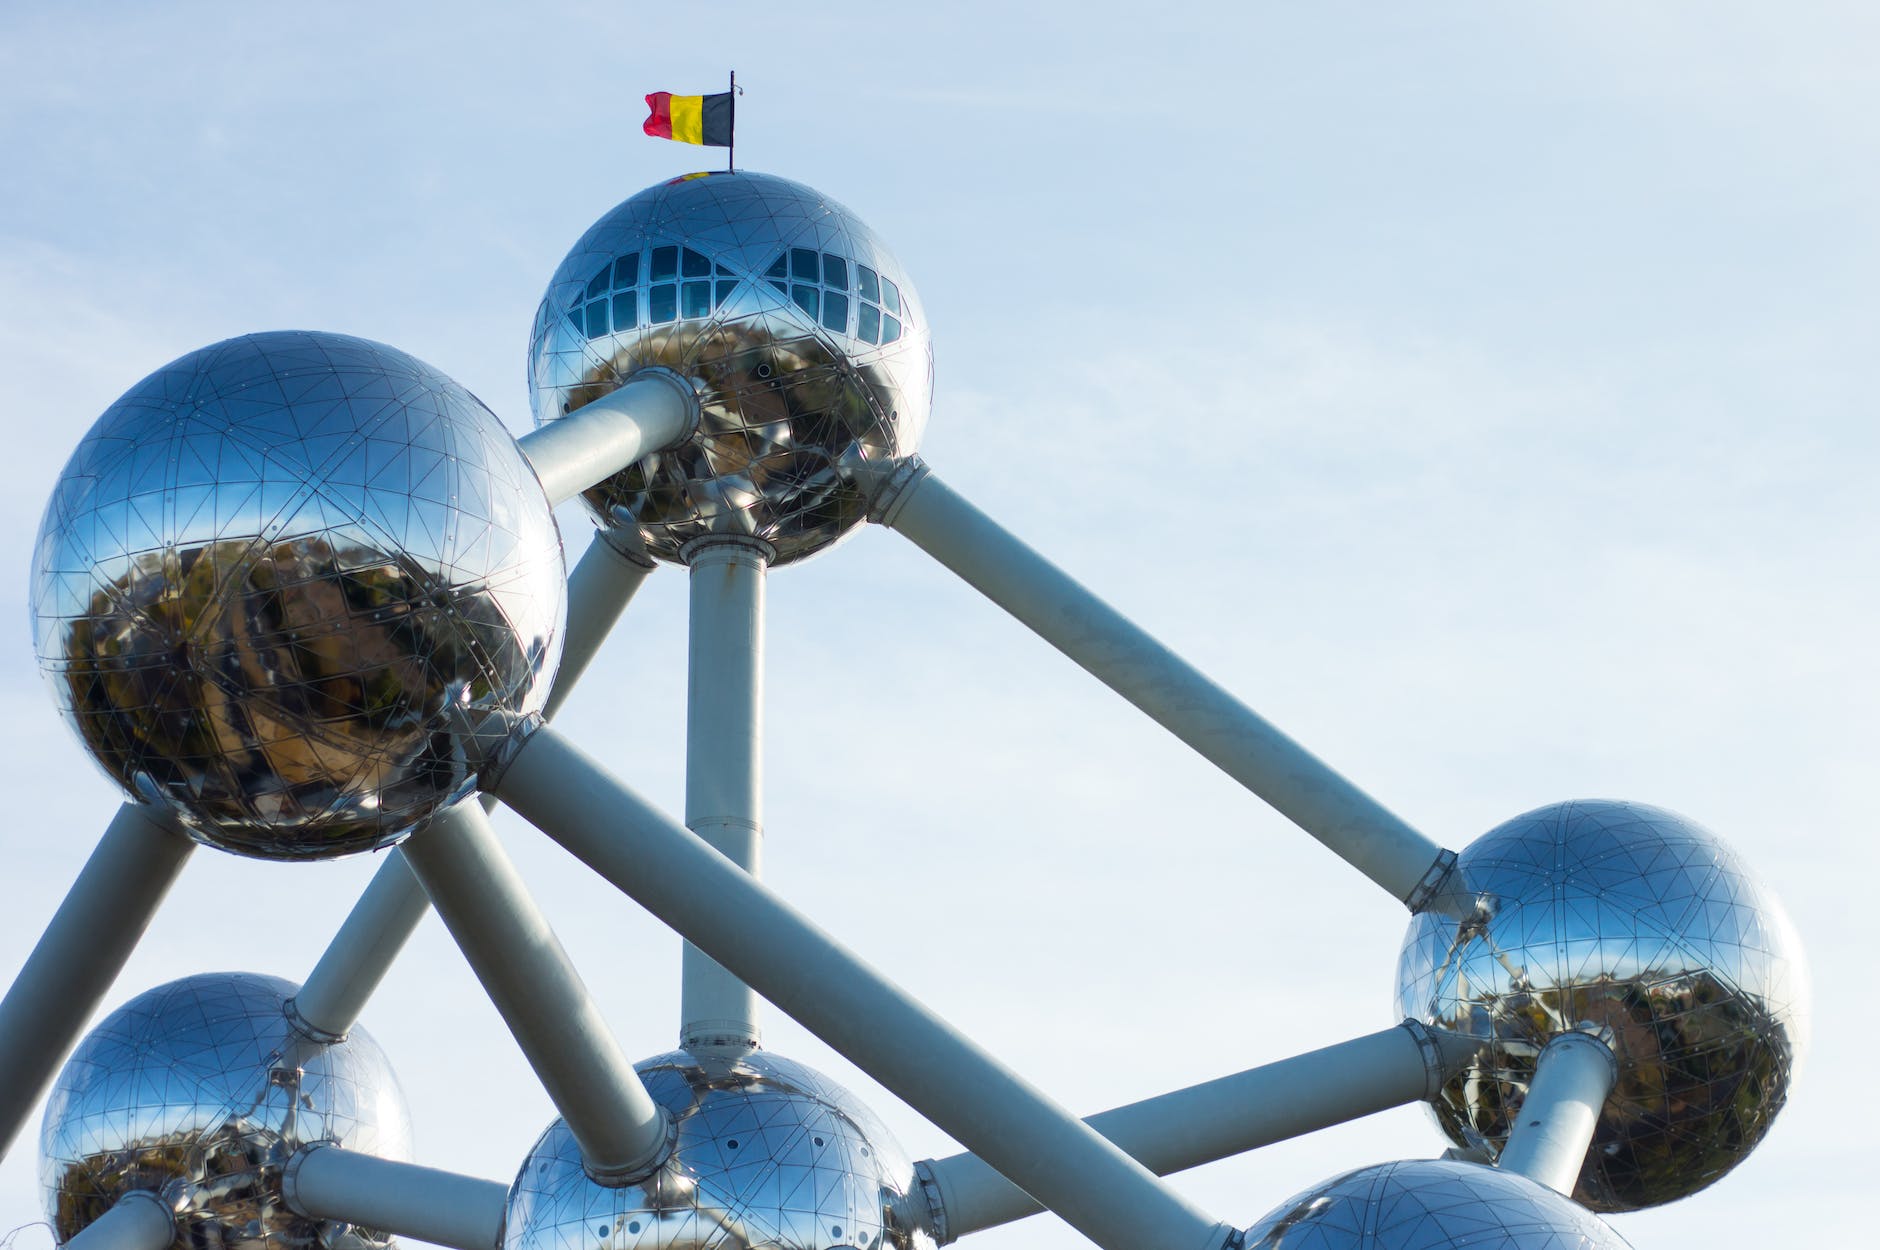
[201, 1090]
[769, 1154]
[1635, 918]
[281, 577]
[800, 331]
[1431, 1204]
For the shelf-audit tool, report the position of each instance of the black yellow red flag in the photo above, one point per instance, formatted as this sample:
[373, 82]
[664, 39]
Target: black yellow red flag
[702, 119]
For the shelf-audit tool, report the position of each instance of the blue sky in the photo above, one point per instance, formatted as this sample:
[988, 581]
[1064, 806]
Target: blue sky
[1485, 394]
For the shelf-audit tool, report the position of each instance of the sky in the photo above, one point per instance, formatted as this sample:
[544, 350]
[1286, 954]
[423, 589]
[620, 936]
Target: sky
[1482, 392]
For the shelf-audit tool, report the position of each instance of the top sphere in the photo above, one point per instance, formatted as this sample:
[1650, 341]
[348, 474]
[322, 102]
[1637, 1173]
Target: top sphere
[1430, 1204]
[281, 579]
[1635, 918]
[800, 330]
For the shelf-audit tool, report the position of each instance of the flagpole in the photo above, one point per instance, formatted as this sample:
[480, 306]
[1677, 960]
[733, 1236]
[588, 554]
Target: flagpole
[731, 148]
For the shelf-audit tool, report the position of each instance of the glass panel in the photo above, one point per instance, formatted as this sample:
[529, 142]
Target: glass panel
[598, 284]
[627, 270]
[696, 299]
[835, 272]
[779, 270]
[890, 295]
[868, 322]
[836, 312]
[890, 329]
[780, 285]
[662, 303]
[722, 272]
[665, 262]
[597, 318]
[696, 266]
[725, 287]
[803, 264]
[626, 310]
[871, 289]
[805, 297]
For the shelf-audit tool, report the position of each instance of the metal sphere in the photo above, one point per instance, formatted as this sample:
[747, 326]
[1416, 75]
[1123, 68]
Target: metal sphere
[281, 578]
[768, 1153]
[200, 1090]
[1635, 918]
[1431, 1204]
[799, 329]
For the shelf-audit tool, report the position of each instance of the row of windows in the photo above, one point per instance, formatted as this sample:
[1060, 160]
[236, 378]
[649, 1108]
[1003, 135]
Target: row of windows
[818, 283]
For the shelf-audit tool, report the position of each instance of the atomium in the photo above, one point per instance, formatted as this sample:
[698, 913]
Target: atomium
[306, 594]
[1634, 918]
[1430, 1204]
[799, 329]
[202, 1089]
[281, 577]
[767, 1153]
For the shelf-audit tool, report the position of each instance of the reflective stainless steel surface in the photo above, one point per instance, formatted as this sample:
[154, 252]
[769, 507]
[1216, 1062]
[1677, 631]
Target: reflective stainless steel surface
[800, 329]
[201, 1090]
[769, 1154]
[1430, 1204]
[279, 576]
[1634, 918]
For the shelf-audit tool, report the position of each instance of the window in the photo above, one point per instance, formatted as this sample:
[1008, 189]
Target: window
[597, 318]
[805, 297]
[662, 303]
[696, 266]
[665, 263]
[627, 271]
[626, 311]
[696, 299]
[835, 312]
[835, 272]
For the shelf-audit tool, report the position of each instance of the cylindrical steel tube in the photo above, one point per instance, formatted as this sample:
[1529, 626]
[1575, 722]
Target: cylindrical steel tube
[1167, 688]
[724, 767]
[1554, 1126]
[649, 412]
[81, 952]
[508, 943]
[734, 918]
[356, 960]
[137, 1221]
[601, 585]
[1220, 1118]
[323, 1182]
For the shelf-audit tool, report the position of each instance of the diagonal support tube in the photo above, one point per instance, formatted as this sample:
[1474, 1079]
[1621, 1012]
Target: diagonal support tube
[724, 767]
[1217, 1119]
[886, 1032]
[327, 1006]
[1555, 1125]
[81, 952]
[137, 1221]
[324, 1182]
[651, 411]
[622, 1132]
[1172, 692]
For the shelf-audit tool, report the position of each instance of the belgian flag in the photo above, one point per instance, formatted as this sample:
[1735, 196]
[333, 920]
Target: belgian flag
[702, 119]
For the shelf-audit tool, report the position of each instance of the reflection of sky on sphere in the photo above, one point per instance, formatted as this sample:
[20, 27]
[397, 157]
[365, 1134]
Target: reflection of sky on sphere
[1631, 917]
[281, 576]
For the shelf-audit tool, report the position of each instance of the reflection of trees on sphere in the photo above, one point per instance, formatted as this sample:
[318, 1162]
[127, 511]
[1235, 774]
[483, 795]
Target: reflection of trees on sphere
[1430, 1204]
[278, 580]
[1631, 917]
[799, 329]
[201, 1089]
[768, 1153]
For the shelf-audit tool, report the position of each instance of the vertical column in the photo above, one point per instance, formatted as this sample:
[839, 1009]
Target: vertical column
[724, 738]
